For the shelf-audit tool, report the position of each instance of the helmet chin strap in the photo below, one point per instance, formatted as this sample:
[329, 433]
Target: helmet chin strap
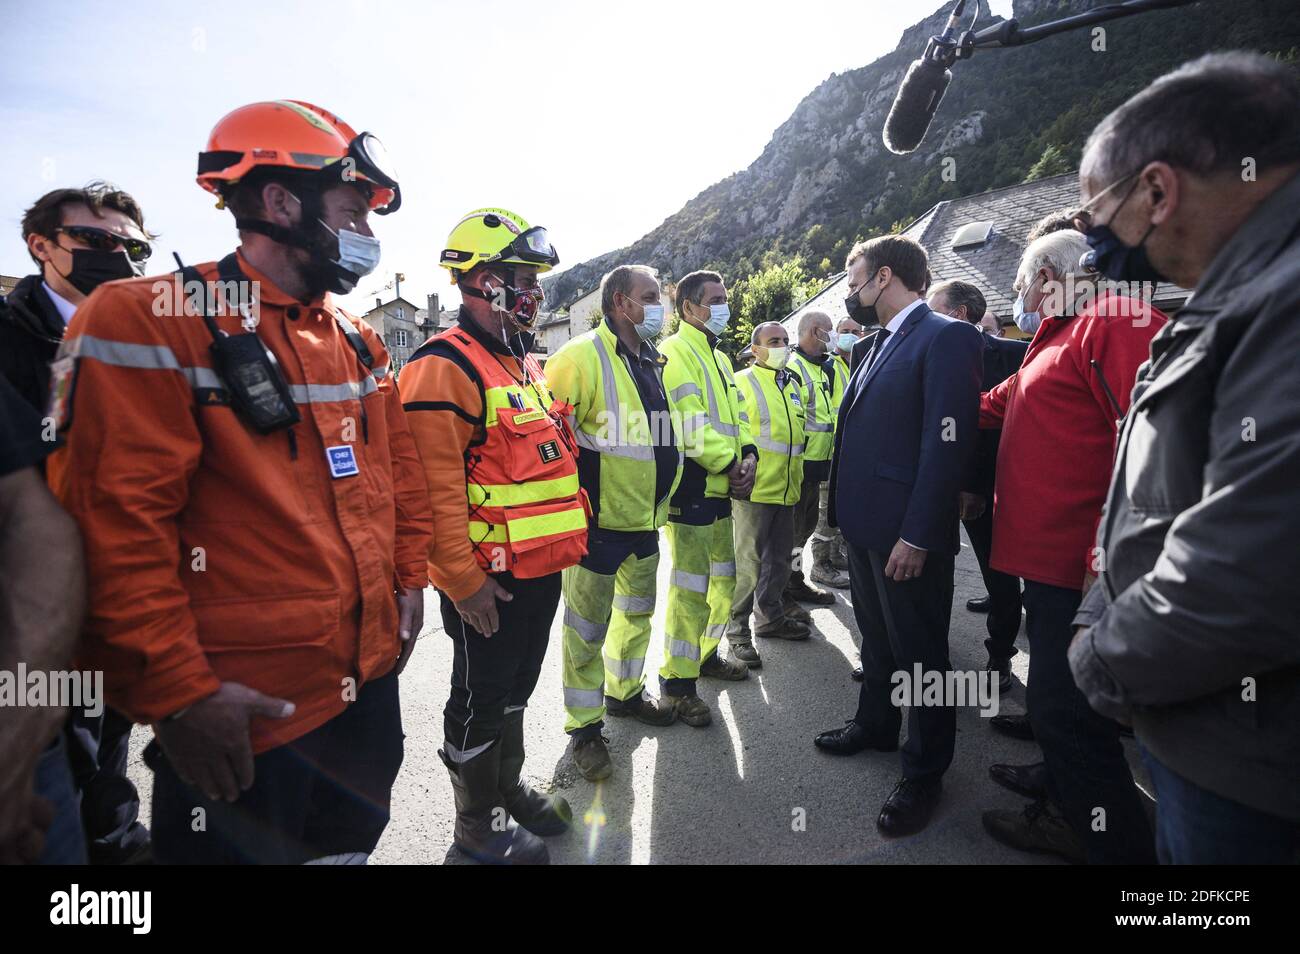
[322, 274]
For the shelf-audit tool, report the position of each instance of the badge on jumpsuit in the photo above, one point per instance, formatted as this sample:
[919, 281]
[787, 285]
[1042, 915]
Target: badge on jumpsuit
[343, 461]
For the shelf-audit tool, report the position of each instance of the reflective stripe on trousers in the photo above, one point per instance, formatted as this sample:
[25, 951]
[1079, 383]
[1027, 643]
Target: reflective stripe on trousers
[606, 634]
[697, 615]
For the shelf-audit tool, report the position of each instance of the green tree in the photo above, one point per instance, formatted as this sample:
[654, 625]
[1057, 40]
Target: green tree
[767, 295]
[1052, 162]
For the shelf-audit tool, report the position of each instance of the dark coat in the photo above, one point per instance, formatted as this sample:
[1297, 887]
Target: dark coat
[907, 430]
[31, 329]
[1002, 358]
[1193, 631]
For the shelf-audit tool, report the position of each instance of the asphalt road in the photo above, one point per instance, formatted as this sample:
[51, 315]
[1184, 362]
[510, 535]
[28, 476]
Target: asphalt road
[748, 789]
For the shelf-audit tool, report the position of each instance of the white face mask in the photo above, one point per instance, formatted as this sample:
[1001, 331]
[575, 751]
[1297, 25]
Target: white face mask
[1026, 321]
[777, 358]
[846, 341]
[652, 323]
[358, 253]
[719, 315]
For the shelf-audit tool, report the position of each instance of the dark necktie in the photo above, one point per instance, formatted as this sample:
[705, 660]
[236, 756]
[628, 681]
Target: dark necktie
[879, 348]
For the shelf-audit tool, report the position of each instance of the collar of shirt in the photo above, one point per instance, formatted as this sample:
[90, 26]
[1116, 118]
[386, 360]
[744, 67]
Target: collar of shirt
[65, 307]
[647, 354]
[897, 321]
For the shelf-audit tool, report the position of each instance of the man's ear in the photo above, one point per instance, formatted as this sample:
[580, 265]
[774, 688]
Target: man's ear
[1161, 191]
[38, 245]
[279, 204]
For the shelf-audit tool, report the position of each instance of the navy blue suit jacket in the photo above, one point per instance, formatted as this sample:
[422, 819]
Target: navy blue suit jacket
[907, 432]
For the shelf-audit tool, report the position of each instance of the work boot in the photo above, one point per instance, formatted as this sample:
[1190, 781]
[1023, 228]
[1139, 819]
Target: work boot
[644, 706]
[786, 628]
[715, 667]
[541, 814]
[1038, 828]
[840, 555]
[829, 576]
[742, 649]
[591, 754]
[484, 830]
[798, 589]
[795, 612]
[691, 709]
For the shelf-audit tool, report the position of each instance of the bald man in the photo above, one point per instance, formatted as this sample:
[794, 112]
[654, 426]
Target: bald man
[774, 417]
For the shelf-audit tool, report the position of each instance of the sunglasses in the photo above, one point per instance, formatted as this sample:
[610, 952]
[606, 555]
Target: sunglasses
[137, 250]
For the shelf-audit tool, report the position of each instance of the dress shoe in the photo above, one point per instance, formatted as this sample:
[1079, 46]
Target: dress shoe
[799, 589]
[1016, 726]
[787, 628]
[854, 738]
[717, 667]
[978, 604]
[1027, 780]
[829, 576]
[1039, 828]
[909, 807]
[691, 709]
[1003, 668]
[645, 707]
[592, 758]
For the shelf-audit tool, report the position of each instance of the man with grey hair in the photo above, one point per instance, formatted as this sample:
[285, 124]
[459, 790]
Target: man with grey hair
[810, 361]
[1001, 359]
[1190, 632]
[1059, 418]
[630, 463]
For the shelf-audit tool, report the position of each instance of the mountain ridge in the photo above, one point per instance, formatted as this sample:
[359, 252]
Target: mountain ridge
[825, 179]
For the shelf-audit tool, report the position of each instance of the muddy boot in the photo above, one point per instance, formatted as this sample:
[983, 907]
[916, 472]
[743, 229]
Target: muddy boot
[484, 830]
[742, 650]
[799, 589]
[541, 814]
[840, 554]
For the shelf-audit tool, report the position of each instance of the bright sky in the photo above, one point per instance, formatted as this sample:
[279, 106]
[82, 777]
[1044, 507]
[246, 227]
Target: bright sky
[567, 112]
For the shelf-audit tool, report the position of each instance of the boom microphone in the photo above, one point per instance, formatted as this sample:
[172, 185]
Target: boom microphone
[915, 105]
[922, 88]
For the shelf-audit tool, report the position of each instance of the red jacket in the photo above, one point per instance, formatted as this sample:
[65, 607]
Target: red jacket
[1058, 437]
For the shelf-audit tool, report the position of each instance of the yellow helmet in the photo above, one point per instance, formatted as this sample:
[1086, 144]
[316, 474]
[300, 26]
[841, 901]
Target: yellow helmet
[485, 236]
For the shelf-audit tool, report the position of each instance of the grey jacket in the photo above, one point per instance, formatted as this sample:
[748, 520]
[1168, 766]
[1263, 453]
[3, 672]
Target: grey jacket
[1198, 608]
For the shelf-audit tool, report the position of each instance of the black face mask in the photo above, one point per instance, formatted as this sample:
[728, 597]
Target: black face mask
[91, 267]
[864, 315]
[1117, 261]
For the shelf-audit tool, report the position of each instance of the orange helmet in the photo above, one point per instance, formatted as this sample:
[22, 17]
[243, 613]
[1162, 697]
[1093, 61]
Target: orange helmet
[289, 134]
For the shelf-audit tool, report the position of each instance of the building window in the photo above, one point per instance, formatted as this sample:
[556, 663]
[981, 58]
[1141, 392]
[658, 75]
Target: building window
[401, 313]
[401, 337]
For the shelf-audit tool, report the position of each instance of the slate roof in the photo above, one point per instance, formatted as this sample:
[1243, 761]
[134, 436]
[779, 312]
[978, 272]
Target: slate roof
[991, 266]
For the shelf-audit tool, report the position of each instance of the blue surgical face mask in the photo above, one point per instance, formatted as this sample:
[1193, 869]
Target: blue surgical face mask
[652, 323]
[719, 315]
[846, 341]
[1026, 321]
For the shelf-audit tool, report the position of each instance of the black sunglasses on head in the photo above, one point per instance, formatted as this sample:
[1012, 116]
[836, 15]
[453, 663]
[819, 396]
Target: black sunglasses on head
[137, 250]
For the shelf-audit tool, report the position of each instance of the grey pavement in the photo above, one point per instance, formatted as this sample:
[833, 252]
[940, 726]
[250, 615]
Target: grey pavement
[748, 789]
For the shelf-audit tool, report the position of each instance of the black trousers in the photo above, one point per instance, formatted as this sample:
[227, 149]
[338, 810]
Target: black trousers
[1087, 773]
[489, 676]
[110, 806]
[903, 624]
[325, 793]
[1004, 591]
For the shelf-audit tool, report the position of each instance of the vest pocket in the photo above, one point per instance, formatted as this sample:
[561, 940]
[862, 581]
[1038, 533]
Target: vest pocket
[547, 537]
[535, 446]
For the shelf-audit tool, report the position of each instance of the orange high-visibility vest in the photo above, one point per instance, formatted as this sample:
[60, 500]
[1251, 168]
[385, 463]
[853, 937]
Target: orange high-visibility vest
[527, 513]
